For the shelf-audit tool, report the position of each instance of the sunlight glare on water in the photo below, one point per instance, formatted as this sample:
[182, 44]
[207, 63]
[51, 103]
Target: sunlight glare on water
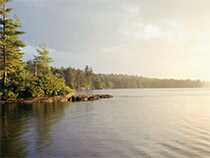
[135, 123]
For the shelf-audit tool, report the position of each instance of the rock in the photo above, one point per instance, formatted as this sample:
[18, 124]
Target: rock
[70, 99]
[93, 97]
[88, 97]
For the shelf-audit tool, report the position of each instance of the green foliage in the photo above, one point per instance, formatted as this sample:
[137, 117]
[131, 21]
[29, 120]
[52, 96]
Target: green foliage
[27, 87]
[8, 94]
[1, 94]
[88, 77]
[80, 79]
[36, 78]
[43, 83]
[31, 86]
[11, 95]
[52, 85]
[42, 62]
[10, 44]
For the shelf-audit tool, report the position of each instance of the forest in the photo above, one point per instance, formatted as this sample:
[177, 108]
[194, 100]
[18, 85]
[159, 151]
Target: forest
[87, 79]
[18, 79]
[37, 78]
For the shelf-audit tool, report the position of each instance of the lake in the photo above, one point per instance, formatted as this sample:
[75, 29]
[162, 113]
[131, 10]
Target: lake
[150, 123]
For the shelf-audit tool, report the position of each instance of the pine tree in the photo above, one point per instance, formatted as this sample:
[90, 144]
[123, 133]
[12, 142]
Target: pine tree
[88, 76]
[10, 44]
[42, 62]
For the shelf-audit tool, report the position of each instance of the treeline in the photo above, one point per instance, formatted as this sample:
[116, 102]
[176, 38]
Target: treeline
[19, 79]
[36, 78]
[87, 79]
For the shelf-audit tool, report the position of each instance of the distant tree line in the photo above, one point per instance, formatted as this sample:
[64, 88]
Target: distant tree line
[87, 79]
[19, 79]
[36, 78]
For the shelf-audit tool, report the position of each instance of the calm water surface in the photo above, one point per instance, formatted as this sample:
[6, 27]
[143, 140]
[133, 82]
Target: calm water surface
[156, 123]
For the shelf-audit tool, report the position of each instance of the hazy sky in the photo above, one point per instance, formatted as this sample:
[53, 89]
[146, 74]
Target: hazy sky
[155, 38]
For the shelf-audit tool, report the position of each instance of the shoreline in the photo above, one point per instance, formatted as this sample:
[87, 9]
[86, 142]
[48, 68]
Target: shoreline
[64, 99]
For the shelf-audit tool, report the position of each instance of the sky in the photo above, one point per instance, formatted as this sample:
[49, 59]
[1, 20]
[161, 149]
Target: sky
[153, 38]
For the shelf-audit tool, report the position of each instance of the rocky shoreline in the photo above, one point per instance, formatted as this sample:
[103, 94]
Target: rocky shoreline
[67, 98]
[89, 97]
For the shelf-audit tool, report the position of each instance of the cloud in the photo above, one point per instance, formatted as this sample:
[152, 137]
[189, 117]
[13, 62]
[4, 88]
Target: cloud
[137, 35]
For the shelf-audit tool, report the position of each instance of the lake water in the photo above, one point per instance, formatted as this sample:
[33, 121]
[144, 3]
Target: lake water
[156, 123]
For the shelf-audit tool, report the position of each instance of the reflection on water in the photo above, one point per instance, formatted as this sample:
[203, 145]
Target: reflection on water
[135, 123]
[26, 129]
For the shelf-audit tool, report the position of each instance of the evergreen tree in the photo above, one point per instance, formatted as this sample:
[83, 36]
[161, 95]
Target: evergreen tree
[88, 76]
[42, 62]
[10, 44]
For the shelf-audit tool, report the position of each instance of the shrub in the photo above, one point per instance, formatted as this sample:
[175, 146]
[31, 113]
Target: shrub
[11, 95]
